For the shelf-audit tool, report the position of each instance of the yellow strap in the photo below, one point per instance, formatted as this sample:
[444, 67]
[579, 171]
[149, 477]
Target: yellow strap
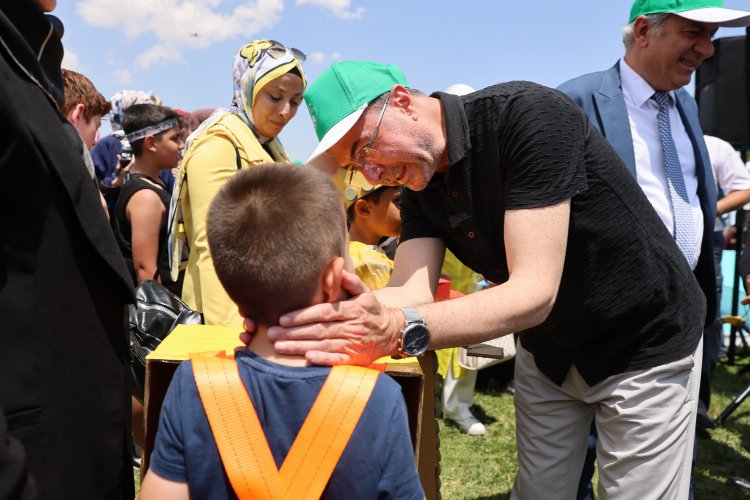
[242, 444]
[326, 431]
[234, 423]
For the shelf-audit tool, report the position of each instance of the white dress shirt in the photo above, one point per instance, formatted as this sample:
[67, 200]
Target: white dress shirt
[649, 158]
[729, 171]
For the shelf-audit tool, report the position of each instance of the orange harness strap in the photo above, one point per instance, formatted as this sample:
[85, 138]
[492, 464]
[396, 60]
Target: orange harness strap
[243, 446]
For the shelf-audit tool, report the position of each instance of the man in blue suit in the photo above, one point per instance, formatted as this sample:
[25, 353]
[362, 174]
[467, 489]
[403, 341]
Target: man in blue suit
[665, 42]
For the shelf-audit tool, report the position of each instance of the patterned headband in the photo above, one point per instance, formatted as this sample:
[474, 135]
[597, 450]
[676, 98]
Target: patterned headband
[152, 129]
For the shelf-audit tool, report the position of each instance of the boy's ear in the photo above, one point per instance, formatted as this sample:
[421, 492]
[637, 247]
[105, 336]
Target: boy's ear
[76, 114]
[331, 279]
[362, 208]
[148, 143]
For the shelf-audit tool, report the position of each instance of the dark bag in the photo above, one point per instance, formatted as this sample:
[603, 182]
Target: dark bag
[156, 312]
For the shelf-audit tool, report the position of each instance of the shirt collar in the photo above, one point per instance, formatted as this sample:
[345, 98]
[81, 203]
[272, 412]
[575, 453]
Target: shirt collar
[458, 177]
[635, 88]
[456, 126]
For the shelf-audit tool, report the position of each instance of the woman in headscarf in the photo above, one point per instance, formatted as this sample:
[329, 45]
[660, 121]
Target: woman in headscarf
[268, 88]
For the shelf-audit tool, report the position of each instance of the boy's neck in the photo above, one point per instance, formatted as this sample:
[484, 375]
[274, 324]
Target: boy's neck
[262, 346]
[362, 233]
[142, 165]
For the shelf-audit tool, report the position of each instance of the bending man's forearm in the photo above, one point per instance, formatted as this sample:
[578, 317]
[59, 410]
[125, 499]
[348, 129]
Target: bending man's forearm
[511, 307]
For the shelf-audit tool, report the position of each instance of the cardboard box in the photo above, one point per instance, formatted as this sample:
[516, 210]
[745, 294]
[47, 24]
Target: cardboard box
[417, 388]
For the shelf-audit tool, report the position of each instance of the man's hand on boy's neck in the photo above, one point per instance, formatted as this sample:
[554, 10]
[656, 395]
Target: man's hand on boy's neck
[261, 346]
[330, 289]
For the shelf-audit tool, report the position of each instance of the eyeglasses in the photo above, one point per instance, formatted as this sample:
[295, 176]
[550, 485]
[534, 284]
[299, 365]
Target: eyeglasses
[277, 50]
[359, 160]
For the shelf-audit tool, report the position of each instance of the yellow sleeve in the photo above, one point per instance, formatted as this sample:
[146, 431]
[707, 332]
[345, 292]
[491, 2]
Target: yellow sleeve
[372, 267]
[211, 161]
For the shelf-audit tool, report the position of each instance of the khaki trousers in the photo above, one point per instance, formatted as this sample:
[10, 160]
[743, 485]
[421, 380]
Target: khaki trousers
[646, 425]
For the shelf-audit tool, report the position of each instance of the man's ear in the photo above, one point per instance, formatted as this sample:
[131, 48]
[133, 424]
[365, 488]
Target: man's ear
[641, 30]
[331, 279]
[401, 98]
[362, 208]
[75, 115]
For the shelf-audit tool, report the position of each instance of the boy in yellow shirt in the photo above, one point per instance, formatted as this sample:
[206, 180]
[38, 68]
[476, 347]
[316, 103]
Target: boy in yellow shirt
[372, 213]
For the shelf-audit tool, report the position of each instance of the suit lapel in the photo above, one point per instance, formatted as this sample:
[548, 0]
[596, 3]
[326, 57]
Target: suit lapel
[613, 119]
[706, 183]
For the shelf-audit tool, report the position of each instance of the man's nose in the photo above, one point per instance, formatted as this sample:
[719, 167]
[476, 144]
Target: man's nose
[705, 47]
[373, 173]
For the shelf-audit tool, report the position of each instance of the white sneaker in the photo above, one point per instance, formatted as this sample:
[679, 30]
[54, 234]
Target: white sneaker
[472, 426]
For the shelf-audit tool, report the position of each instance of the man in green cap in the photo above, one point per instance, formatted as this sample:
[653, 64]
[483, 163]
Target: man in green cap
[651, 121]
[519, 185]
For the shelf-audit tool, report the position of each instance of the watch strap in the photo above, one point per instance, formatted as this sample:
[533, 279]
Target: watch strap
[411, 315]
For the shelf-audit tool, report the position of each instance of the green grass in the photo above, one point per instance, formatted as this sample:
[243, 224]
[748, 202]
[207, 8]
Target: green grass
[724, 452]
[484, 467]
[480, 467]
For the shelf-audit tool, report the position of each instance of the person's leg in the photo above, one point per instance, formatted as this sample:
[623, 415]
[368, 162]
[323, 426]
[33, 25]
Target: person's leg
[458, 395]
[646, 426]
[552, 426]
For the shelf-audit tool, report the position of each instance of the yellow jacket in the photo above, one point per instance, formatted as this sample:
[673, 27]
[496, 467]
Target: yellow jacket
[210, 161]
[372, 267]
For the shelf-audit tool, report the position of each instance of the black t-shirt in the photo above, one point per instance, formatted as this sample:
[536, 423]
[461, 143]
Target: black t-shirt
[627, 298]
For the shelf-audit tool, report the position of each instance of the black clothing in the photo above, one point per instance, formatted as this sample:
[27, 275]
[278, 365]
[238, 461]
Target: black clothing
[122, 228]
[15, 481]
[63, 288]
[627, 298]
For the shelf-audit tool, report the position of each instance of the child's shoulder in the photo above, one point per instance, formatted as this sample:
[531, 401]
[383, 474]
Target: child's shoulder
[387, 390]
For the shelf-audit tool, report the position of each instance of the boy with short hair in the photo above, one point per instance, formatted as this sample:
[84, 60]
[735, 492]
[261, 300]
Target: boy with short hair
[277, 235]
[84, 106]
[140, 216]
[139, 220]
[372, 213]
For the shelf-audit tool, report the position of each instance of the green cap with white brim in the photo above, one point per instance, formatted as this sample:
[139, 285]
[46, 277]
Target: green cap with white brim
[704, 11]
[338, 97]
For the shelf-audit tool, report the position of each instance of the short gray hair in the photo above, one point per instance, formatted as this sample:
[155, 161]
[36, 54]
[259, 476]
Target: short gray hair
[655, 22]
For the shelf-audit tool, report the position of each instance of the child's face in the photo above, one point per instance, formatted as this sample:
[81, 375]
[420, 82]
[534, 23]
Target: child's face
[89, 129]
[385, 217]
[168, 146]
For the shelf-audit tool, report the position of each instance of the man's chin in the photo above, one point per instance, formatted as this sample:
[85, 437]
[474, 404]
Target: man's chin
[416, 185]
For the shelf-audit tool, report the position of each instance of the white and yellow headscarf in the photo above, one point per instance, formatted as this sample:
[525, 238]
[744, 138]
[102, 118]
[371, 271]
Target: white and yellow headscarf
[252, 69]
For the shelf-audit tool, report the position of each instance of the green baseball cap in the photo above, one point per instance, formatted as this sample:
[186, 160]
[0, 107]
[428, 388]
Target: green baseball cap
[338, 97]
[704, 11]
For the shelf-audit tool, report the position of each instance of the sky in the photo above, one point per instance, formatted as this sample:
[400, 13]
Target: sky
[182, 50]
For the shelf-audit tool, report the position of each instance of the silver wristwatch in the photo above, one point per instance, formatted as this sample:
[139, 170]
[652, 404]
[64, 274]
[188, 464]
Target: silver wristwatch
[415, 337]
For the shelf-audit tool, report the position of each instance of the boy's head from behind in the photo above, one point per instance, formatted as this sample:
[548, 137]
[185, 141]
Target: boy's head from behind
[84, 105]
[153, 129]
[277, 234]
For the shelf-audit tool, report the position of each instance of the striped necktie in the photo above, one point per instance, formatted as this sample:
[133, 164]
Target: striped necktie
[682, 212]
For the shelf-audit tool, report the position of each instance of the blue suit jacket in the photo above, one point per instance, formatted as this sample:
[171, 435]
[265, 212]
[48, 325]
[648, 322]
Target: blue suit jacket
[600, 96]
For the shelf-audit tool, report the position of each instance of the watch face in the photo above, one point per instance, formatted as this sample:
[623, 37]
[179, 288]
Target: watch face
[416, 339]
